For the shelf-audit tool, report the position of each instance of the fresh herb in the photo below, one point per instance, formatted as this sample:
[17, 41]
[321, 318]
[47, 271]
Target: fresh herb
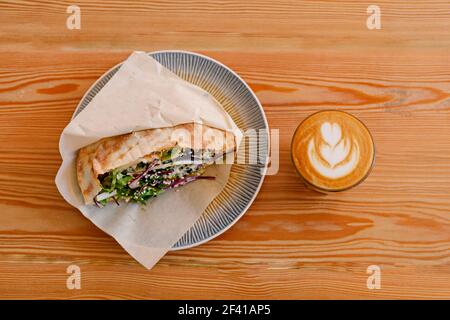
[173, 168]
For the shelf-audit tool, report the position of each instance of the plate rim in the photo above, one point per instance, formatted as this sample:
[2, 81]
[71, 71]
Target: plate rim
[266, 163]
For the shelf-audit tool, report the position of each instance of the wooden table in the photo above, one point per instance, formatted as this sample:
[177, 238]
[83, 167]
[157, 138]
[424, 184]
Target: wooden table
[299, 57]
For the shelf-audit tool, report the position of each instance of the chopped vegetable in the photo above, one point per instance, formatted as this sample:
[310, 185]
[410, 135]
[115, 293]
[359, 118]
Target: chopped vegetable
[133, 184]
[172, 168]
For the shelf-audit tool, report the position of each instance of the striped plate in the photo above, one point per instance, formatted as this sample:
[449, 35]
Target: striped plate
[245, 109]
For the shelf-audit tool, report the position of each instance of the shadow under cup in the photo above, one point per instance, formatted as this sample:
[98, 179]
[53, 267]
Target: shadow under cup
[332, 151]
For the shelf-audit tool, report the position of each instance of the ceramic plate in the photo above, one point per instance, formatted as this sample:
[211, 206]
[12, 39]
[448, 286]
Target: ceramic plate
[245, 109]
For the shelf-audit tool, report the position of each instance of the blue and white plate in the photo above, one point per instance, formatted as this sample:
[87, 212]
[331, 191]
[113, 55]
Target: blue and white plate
[243, 106]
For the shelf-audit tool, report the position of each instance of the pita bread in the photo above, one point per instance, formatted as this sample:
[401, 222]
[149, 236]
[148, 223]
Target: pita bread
[127, 150]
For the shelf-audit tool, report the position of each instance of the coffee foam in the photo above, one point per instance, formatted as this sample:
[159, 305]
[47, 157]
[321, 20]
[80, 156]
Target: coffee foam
[332, 150]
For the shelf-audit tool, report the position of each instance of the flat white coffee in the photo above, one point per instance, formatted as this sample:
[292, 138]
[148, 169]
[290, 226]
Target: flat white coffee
[332, 150]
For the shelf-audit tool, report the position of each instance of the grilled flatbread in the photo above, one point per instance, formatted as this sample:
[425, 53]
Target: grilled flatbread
[142, 164]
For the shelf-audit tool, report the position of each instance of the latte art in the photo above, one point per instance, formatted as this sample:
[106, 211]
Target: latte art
[337, 156]
[332, 150]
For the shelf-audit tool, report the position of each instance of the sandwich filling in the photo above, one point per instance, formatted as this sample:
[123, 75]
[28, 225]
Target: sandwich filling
[153, 175]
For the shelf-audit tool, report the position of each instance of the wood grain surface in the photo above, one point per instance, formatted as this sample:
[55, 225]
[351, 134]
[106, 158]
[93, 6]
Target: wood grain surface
[299, 57]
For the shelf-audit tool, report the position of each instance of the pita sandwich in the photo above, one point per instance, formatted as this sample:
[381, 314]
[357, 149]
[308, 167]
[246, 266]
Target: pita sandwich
[138, 166]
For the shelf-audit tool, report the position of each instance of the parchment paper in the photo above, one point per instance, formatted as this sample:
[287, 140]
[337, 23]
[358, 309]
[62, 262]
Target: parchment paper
[144, 95]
